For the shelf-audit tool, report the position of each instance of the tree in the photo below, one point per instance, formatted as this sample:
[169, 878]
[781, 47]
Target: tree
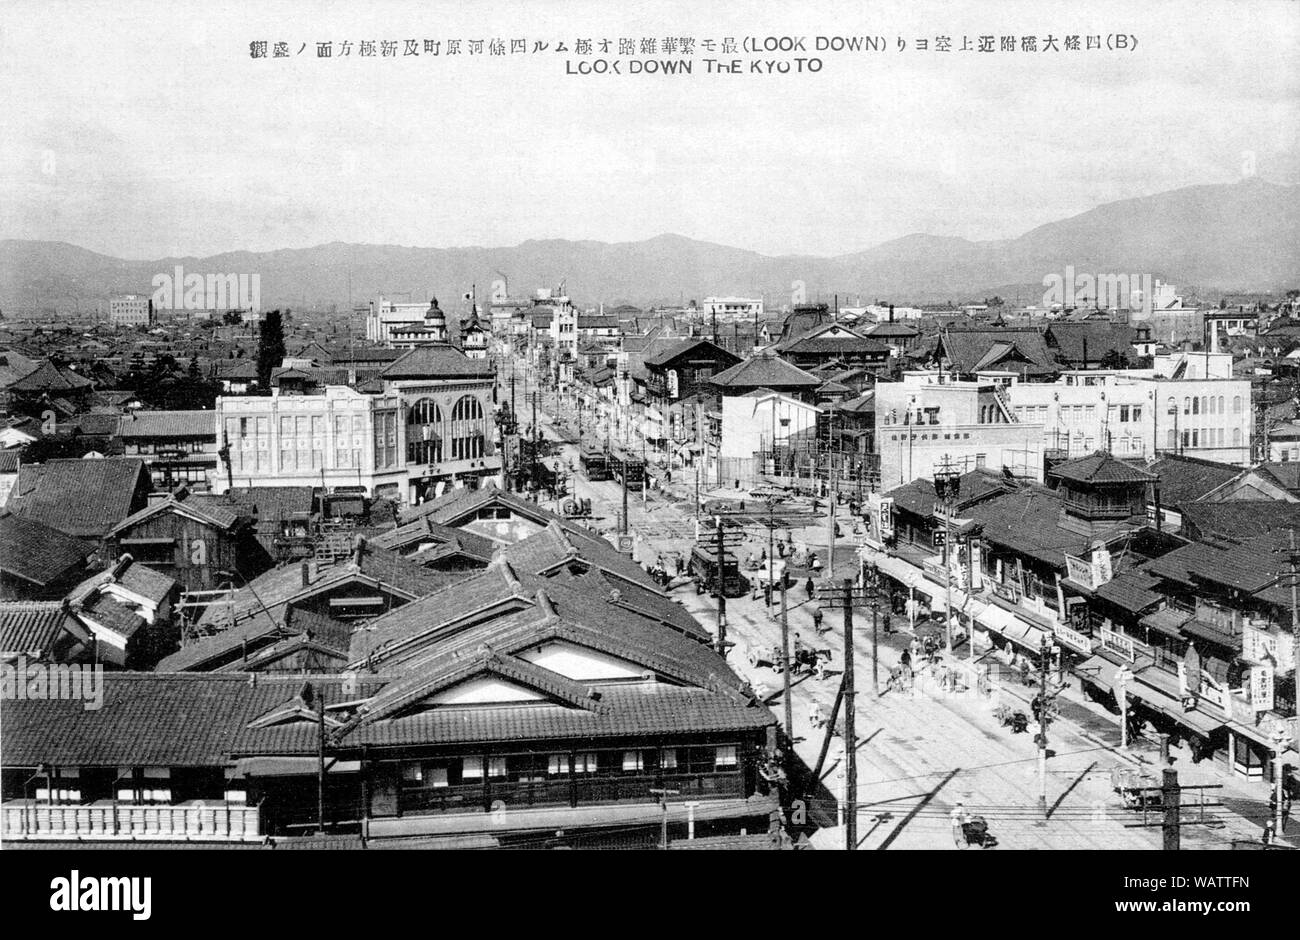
[270, 347]
[193, 371]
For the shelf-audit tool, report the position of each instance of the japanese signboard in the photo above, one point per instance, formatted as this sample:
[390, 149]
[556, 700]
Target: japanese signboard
[1261, 688]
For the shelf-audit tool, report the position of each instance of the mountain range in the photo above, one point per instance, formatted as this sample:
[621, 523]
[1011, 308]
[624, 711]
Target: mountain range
[1240, 237]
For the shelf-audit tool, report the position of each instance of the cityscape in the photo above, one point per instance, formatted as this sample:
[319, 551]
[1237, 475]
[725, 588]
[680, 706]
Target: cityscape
[779, 537]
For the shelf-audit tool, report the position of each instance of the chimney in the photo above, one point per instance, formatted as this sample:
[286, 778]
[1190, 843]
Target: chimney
[1155, 487]
[306, 574]
[359, 550]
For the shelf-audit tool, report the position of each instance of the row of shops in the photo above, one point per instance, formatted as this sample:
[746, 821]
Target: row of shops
[1216, 724]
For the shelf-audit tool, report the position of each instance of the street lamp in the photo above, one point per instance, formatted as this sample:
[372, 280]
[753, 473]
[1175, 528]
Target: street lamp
[1280, 737]
[947, 487]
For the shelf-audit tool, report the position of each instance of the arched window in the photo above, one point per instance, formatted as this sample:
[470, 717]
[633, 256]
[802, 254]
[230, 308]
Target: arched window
[467, 429]
[1236, 435]
[1236, 409]
[424, 432]
[1222, 410]
[1187, 406]
[1196, 406]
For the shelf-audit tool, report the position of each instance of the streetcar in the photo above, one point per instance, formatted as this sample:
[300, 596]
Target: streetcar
[595, 464]
[628, 469]
[706, 571]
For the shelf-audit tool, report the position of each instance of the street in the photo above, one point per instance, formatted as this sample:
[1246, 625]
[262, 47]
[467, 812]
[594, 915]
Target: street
[920, 752]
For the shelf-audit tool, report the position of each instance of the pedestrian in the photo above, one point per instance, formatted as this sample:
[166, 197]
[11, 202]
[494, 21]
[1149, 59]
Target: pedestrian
[905, 661]
[817, 620]
[767, 593]
[889, 629]
[816, 562]
[811, 588]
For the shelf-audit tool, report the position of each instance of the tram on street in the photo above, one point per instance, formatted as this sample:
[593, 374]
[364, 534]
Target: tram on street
[627, 468]
[595, 464]
[707, 571]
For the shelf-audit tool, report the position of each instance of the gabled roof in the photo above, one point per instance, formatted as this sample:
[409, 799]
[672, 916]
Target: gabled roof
[1019, 350]
[105, 491]
[765, 371]
[274, 589]
[693, 346]
[205, 511]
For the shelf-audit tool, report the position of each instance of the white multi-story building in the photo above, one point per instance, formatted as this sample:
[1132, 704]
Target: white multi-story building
[338, 438]
[929, 418]
[732, 307]
[131, 310]
[1188, 404]
[383, 316]
[428, 430]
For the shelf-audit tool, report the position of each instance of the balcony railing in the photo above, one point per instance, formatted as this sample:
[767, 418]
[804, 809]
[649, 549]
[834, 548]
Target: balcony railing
[196, 820]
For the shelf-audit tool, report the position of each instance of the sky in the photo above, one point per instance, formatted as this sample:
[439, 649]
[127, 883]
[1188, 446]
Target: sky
[143, 130]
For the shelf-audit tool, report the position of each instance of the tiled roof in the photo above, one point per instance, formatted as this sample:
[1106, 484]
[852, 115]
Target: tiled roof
[437, 362]
[1184, 479]
[9, 460]
[1101, 467]
[1247, 565]
[1239, 518]
[105, 490]
[31, 626]
[1028, 520]
[131, 575]
[697, 346]
[36, 552]
[107, 611]
[273, 589]
[205, 511]
[967, 350]
[1134, 590]
[1098, 337]
[151, 424]
[48, 378]
[642, 709]
[765, 371]
[160, 720]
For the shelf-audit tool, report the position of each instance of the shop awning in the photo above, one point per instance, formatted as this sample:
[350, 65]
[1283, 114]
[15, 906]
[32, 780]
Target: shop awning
[899, 570]
[291, 766]
[1168, 621]
[1198, 721]
[1000, 620]
[1099, 671]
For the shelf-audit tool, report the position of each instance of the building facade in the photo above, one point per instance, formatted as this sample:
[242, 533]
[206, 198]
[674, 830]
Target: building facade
[131, 310]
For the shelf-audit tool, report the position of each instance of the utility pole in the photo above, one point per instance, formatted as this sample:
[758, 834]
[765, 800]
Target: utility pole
[718, 584]
[850, 739]
[533, 470]
[622, 475]
[1044, 656]
[1172, 803]
[785, 667]
[663, 795]
[320, 760]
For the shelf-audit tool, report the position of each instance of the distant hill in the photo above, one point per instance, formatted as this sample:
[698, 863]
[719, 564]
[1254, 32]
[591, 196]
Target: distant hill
[1239, 237]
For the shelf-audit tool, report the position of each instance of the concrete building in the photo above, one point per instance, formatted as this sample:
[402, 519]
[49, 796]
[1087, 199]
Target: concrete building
[753, 424]
[340, 438]
[1187, 405]
[384, 315]
[131, 310]
[732, 307]
[928, 418]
